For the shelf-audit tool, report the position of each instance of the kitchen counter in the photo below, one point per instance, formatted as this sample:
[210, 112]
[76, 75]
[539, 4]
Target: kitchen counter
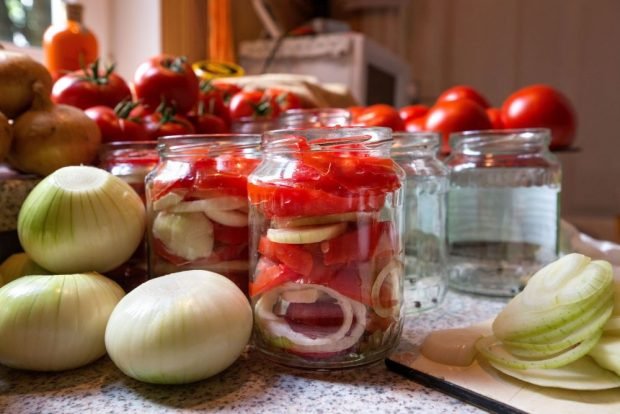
[252, 384]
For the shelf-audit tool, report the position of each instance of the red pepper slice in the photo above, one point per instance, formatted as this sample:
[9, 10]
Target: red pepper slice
[292, 256]
[270, 275]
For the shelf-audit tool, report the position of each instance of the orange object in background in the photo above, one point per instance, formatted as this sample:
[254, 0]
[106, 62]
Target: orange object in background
[220, 31]
[69, 46]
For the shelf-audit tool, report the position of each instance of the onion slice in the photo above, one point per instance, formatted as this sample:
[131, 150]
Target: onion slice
[347, 335]
[493, 350]
[394, 271]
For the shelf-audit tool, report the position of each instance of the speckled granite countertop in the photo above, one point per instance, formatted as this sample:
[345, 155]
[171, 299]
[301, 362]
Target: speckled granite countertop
[252, 384]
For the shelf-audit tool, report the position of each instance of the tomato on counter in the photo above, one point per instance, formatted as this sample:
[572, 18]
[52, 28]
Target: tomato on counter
[495, 116]
[116, 124]
[92, 86]
[165, 122]
[253, 104]
[460, 92]
[167, 78]
[541, 106]
[380, 115]
[410, 112]
[455, 116]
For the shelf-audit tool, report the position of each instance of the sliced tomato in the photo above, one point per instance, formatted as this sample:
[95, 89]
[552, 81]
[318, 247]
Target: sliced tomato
[230, 235]
[293, 256]
[285, 201]
[269, 276]
[352, 283]
[314, 319]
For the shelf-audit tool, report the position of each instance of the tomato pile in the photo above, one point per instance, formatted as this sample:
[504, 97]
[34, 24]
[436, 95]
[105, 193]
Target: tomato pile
[462, 108]
[167, 99]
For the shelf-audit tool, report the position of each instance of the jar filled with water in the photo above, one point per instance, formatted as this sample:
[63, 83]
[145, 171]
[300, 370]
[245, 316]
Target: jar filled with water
[425, 219]
[503, 209]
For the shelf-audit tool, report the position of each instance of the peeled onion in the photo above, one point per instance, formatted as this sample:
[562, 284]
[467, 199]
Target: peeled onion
[18, 265]
[55, 322]
[179, 328]
[81, 219]
[18, 75]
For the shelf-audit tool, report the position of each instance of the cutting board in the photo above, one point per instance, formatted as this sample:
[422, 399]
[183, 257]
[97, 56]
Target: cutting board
[483, 386]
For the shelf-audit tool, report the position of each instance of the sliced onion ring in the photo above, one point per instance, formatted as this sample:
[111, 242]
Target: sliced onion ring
[394, 270]
[347, 335]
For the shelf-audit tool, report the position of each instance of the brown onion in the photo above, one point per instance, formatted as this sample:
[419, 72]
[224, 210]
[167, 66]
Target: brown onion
[49, 137]
[18, 75]
[5, 136]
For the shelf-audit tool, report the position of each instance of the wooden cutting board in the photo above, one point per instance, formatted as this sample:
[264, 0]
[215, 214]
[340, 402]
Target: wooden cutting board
[485, 387]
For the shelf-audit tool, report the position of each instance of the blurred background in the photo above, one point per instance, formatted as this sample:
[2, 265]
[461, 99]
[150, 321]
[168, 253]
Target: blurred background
[405, 51]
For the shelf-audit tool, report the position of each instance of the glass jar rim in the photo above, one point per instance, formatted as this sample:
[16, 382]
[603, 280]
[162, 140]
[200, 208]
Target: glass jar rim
[215, 143]
[345, 138]
[416, 141]
[316, 111]
[501, 140]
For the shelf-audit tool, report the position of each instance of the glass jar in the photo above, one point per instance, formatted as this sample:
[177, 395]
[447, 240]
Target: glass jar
[197, 205]
[503, 209]
[315, 118]
[425, 218]
[130, 161]
[327, 258]
[253, 125]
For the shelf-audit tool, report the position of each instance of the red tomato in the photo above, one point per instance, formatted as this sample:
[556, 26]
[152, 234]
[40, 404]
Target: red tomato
[380, 115]
[284, 99]
[456, 116]
[495, 116]
[163, 123]
[114, 127]
[269, 275]
[355, 111]
[292, 256]
[230, 235]
[541, 106]
[416, 124]
[167, 78]
[253, 104]
[227, 90]
[211, 101]
[91, 87]
[457, 93]
[208, 123]
[412, 112]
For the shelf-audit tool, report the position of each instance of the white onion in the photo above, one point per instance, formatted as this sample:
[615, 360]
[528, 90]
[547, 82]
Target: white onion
[179, 328]
[55, 322]
[81, 219]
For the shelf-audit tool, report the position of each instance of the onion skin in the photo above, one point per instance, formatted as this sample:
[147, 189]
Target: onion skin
[49, 137]
[6, 136]
[18, 75]
[55, 322]
[179, 328]
[70, 228]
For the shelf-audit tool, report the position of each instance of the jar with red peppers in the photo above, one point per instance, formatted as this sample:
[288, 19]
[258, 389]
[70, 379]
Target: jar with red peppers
[197, 205]
[130, 161]
[326, 286]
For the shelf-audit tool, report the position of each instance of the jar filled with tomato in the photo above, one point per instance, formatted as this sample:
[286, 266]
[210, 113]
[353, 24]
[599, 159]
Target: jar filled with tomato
[425, 218]
[503, 209]
[327, 259]
[197, 205]
[315, 118]
[130, 161]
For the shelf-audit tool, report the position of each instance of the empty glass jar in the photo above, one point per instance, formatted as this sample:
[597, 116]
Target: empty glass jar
[425, 218]
[503, 209]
